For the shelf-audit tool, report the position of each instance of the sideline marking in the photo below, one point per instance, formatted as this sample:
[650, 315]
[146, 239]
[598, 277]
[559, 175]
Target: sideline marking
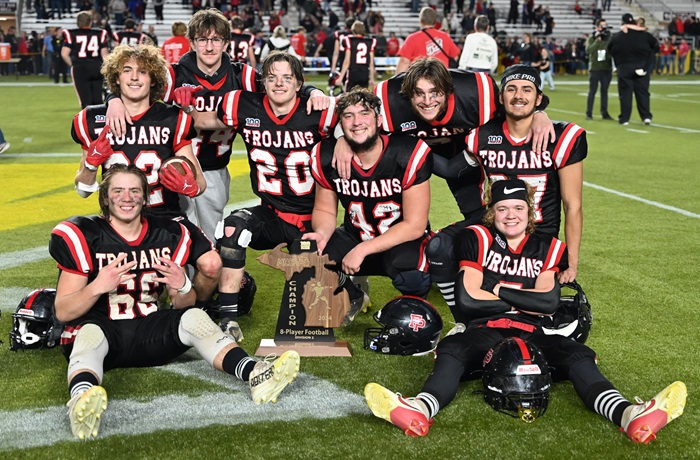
[307, 397]
[643, 200]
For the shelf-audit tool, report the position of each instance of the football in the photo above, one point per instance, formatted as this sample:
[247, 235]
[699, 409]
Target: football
[177, 163]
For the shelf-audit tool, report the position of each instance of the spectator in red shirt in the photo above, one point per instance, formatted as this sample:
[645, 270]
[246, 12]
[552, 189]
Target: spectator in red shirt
[427, 42]
[392, 45]
[298, 41]
[176, 46]
[683, 50]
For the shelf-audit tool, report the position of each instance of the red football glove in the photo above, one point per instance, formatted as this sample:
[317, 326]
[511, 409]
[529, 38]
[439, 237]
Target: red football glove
[184, 95]
[99, 150]
[173, 180]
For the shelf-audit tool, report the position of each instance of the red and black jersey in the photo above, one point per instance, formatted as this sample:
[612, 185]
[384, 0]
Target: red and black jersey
[372, 198]
[504, 158]
[486, 249]
[212, 148]
[240, 43]
[278, 148]
[85, 245]
[85, 45]
[154, 136]
[340, 38]
[473, 103]
[130, 38]
[360, 49]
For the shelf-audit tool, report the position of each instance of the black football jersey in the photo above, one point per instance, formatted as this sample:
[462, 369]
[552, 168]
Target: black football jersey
[211, 147]
[85, 44]
[373, 198]
[84, 245]
[278, 148]
[359, 49]
[473, 103]
[240, 43]
[486, 249]
[504, 158]
[340, 37]
[154, 137]
[130, 38]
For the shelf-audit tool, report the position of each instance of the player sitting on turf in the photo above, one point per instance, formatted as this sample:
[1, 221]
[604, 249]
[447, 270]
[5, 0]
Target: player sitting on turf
[112, 271]
[507, 283]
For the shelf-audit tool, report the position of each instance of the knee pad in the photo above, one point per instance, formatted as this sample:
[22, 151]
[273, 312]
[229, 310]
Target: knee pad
[440, 253]
[413, 282]
[199, 331]
[89, 351]
[233, 235]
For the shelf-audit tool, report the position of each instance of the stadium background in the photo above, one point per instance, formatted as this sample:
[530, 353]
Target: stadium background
[639, 264]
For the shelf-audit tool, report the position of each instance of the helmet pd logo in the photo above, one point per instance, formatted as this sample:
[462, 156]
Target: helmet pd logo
[417, 322]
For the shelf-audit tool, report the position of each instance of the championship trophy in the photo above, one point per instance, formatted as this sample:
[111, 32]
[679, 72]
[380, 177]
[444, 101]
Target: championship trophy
[312, 305]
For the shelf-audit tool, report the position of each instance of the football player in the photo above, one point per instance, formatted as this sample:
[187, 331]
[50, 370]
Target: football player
[359, 58]
[129, 36]
[138, 76]
[209, 66]
[112, 270]
[507, 283]
[505, 150]
[441, 106]
[279, 135]
[386, 200]
[241, 49]
[83, 50]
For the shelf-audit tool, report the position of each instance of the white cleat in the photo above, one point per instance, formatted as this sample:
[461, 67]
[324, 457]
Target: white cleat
[85, 410]
[271, 376]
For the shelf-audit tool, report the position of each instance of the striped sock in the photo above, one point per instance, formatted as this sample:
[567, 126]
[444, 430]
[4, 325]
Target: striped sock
[82, 383]
[430, 402]
[611, 405]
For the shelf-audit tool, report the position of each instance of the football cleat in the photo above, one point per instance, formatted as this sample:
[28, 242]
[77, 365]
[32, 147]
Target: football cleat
[85, 410]
[643, 420]
[270, 376]
[234, 330]
[358, 304]
[457, 329]
[362, 282]
[4, 147]
[405, 413]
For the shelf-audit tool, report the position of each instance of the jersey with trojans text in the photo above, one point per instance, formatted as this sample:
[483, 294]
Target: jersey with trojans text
[279, 149]
[502, 157]
[487, 250]
[211, 147]
[154, 136]
[85, 245]
[473, 103]
[372, 198]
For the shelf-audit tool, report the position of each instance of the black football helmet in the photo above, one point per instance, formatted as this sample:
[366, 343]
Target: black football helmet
[335, 86]
[573, 318]
[247, 294]
[34, 324]
[516, 379]
[410, 326]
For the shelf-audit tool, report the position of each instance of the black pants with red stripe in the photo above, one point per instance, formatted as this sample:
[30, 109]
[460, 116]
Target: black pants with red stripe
[460, 357]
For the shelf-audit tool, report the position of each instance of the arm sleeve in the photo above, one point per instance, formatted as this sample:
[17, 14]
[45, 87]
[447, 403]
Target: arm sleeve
[471, 308]
[452, 168]
[539, 302]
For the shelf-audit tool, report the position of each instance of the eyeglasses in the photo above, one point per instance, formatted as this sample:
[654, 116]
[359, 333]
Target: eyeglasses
[216, 41]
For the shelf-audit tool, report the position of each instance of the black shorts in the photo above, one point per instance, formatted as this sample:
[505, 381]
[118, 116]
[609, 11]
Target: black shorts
[142, 342]
[404, 257]
[357, 78]
[269, 229]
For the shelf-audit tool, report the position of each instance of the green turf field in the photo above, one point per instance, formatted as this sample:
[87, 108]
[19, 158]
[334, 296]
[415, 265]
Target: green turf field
[639, 262]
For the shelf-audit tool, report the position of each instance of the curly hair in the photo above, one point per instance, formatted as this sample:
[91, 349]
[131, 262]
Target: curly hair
[148, 58]
[433, 70]
[489, 218]
[120, 168]
[361, 96]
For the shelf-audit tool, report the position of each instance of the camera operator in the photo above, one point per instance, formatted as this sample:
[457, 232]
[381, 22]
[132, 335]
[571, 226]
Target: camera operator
[599, 68]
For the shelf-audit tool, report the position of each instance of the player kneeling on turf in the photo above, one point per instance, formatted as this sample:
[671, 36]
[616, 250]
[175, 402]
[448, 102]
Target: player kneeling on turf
[113, 269]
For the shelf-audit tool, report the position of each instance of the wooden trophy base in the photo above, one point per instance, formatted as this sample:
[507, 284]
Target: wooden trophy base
[339, 348]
